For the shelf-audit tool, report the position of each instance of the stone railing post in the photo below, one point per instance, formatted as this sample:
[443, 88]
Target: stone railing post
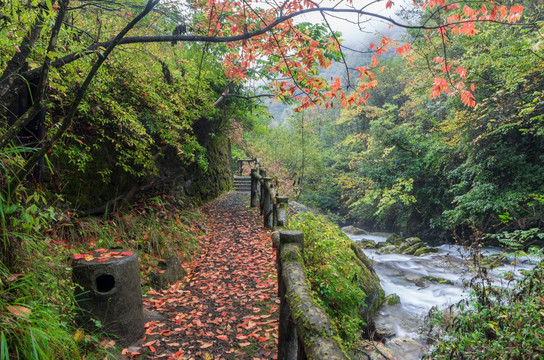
[288, 343]
[282, 206]
[254, 184]
[262, 172]
[267, 203]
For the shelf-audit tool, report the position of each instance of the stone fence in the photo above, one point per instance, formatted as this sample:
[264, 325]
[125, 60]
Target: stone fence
[305, 330]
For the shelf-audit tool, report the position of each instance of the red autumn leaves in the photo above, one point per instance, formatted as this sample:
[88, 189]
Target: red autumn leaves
[101, 255]
[226, 308]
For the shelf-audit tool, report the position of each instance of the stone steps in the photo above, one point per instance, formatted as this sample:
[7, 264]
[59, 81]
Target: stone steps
[242, 183]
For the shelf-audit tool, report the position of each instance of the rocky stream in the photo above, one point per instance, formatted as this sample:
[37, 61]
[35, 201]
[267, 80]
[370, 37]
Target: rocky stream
[417, 278]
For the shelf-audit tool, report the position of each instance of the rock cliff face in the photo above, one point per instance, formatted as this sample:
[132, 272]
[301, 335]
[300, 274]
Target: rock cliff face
[194, 182]
[190, 183]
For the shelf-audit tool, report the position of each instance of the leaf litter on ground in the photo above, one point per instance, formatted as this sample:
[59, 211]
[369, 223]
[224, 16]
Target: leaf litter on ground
[227, 306]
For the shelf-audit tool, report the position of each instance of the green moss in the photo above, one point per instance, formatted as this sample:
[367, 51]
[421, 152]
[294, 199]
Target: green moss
[412, 248]
[437, 280]
[392, 299]
[367, 244]
[425, 250]
[394, 239]
[340, 275]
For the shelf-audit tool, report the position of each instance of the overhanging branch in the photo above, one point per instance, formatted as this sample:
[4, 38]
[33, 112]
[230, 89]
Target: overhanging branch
[227, 39]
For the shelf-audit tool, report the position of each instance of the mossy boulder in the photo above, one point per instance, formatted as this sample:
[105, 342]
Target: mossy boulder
[392, 299]
[352, 230]
[394, 239]
[390, 249]
[437, 280]
[382, 245]
[410, 250]
[367, 244]
[425, 250]
[409, 242]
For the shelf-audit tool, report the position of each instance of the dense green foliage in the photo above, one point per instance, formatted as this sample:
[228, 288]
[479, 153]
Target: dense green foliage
[498, 323]
[150, 117]
[430, 167]
[339, 280]
[439, 170]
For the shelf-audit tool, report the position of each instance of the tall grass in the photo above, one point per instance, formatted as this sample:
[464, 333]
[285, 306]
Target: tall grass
[32, 322]
[37, 308]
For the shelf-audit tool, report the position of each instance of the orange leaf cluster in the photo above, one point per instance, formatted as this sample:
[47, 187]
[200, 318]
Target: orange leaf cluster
[293, 55]
[101, 255]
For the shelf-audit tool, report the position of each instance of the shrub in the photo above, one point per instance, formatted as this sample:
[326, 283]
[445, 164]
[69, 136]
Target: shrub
[499, 323]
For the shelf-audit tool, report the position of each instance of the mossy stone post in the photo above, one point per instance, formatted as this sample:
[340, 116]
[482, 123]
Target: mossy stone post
[288, 342]
[254, 184]
[267, 203]
[109, 291]
[282, 203]
[240, 165]
[262, 172]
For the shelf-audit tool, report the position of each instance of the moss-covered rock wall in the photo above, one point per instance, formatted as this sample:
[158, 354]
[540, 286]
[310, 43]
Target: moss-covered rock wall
[191, 183]
[195, 182]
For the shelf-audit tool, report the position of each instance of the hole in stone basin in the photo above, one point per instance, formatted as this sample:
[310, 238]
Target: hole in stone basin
[105, 283]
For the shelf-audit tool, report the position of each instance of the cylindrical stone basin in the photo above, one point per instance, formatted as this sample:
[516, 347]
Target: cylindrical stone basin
[108, 289]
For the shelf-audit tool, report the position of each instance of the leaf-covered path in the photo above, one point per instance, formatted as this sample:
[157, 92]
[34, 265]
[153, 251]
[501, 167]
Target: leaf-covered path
[227, 306]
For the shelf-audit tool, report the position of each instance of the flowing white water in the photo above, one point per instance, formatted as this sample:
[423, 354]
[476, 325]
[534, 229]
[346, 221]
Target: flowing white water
[402, 275]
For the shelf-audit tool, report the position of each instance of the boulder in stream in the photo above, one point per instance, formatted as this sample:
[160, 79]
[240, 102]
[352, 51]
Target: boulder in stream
[352, 230]
[410, 246]
[397, 348]
[367, 244]
[392, 299]
[394, 239]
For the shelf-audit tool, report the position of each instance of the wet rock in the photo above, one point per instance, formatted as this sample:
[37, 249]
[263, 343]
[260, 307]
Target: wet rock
[387, 249]
[410, 250]
[437, 280]
[418, 281]
[382, 245]
[410, 244]
[367, 244]
[169, 271]
[392, 299]
[394, 239]
[385, 331]
[374, 351]
[405, 348]
[425, 250]
[397, 348]
[352, 230]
